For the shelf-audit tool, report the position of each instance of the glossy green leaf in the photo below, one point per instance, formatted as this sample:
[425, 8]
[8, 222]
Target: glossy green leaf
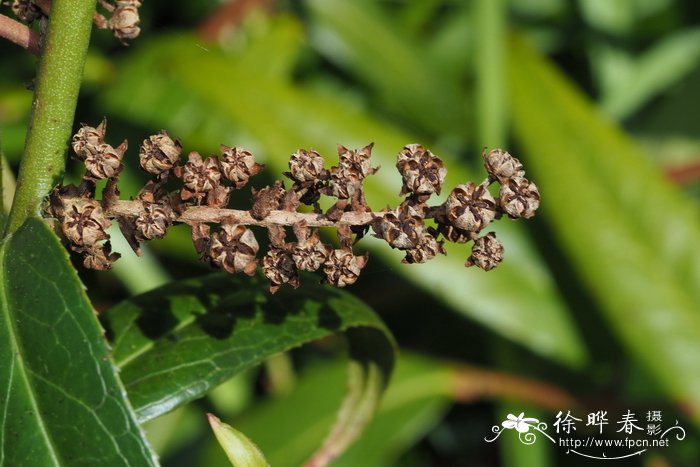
[175, 343]
[190, 92]
[416, 400]
[61, 402]
[240, 450]
[631, 236]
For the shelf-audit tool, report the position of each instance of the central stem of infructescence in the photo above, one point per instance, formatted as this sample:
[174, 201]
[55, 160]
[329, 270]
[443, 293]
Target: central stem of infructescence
[57, 85]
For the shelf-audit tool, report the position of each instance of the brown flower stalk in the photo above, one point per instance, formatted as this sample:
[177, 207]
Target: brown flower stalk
[222, 235]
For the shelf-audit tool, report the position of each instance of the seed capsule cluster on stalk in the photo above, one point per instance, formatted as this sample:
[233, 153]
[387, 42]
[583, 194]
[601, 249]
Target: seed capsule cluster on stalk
[224, 239]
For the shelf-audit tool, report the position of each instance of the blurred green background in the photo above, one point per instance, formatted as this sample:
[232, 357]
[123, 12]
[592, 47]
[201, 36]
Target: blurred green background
[597, 303]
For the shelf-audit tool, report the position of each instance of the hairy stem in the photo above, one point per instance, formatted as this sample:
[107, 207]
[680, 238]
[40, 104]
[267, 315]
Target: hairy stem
[57, 85]
[20, 34]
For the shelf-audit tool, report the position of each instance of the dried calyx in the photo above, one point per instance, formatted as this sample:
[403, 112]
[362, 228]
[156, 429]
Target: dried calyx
[223, 238]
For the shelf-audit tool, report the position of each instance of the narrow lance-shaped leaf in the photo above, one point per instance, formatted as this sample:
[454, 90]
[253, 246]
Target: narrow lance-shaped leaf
[61, 402]
[628, 232]
[240, 450]
[177, 342]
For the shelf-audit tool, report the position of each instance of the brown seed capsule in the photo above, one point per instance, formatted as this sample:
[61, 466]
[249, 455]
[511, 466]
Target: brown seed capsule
[84, 222]
[306, 167]
[455, 235]
[402, 228]
[153, 221]
[343, 268]
[470, 207]
[519, 197]
[267, 200]
[311, 254]
[86, 140]
[344, 182]
[105, 161]
[487, 252]
[357, 161]
[278, 266]
[238, 165]
[125, 20]
[428, 247]
[234, 248]
[201, 176]
[100, 258]
[502, 165]
[159, 153]
[26, 10]
[423, 173]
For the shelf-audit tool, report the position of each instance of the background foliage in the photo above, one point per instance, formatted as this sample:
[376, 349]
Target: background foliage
[599, 296]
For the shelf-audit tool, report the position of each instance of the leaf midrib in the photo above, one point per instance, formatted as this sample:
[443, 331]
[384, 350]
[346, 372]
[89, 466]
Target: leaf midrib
[17, 354]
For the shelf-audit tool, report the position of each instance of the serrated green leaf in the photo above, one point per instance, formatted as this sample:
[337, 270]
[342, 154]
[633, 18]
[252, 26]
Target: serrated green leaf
[175, 343]
[278, 118]
[61, 403]
[631, 235]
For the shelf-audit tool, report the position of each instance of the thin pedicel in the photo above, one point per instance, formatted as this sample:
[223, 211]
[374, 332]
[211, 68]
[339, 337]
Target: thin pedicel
[223, 238]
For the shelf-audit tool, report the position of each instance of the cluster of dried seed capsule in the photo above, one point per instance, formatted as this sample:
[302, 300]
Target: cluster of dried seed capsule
[223, 237]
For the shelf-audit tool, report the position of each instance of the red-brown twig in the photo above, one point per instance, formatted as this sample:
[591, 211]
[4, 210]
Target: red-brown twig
[20, 34]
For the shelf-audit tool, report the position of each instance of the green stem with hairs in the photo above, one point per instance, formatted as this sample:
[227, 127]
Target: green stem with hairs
[56, 94]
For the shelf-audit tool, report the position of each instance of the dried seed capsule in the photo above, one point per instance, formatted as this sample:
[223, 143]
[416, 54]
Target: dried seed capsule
[428, 247]
[343, 268]
[105, 161]
[344, 182]
[306, 167]
[84, 222]
[100, 258]
[159, 153]
[502, 165]
[470, 207]
[402, 228]
[26, 10]
[311, 254]
[357, 161]
[519, 197]
[153, 222]
[487, 252]
[455, 235]
[201, 176]
[278, 266]
[125, 20]
[238, 165]
[267, 200]
[86, 140]
[233, 249]
[422, 172]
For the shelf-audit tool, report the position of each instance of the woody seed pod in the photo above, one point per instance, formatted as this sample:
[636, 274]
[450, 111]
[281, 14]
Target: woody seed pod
[501, 165]
[470, 207]
[428, 247]
[84, 222]
[306, 167]
[343, 268]
[86, 140]
[238, 165]
[357, 161]
[153, 222]
[487, 252]
[311, 254]
[278, 266]
[26, 10]
[105, 161]
[159, 153]
[519, 197]
[234, 248]
[422, 172]
[201, 176]
[402, 229]
[125, 20]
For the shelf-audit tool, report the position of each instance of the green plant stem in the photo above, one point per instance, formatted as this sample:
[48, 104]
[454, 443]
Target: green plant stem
[57, 84]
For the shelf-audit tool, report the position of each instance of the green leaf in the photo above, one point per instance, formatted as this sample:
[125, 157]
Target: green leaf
[190, 92]
[177, 342]
[61, 402]
[632, 236]
[241, 451]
